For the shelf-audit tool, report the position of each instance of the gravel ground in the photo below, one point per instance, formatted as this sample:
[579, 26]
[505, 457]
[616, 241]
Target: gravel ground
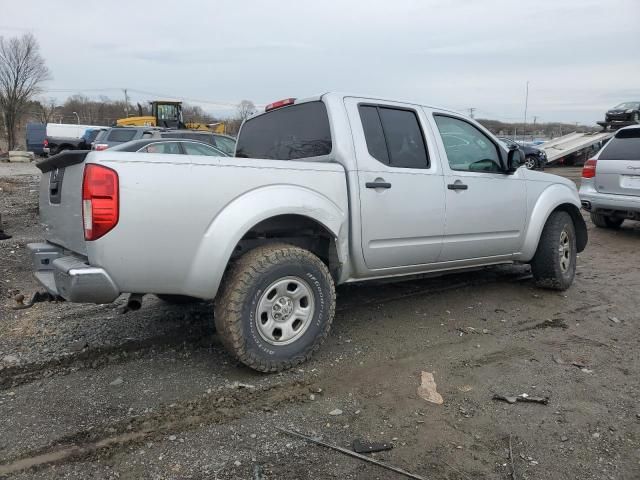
[86, 392]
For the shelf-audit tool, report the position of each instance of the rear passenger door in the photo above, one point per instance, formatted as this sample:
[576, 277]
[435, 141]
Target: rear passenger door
[401, 188]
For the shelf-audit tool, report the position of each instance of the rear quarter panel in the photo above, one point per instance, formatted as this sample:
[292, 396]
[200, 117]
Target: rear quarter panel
[181, 216]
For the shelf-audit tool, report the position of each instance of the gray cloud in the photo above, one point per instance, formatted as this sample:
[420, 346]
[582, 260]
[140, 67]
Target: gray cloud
[579, 56]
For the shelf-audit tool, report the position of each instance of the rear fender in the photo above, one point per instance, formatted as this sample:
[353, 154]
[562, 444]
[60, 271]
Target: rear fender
[554, 197]
[238, 217]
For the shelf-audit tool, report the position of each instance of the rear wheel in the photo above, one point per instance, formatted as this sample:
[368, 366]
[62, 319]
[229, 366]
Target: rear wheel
[605, 221]
[554, 264]
[275, 307]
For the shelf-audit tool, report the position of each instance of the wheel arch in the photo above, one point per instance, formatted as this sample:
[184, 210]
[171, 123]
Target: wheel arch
[292, 214]
[556, 197]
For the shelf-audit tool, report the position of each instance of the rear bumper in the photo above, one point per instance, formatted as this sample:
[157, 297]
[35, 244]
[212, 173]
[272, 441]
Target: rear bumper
[70, 276]
[624, 205]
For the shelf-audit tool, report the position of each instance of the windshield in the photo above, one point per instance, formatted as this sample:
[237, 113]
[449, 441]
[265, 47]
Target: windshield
[628, 105]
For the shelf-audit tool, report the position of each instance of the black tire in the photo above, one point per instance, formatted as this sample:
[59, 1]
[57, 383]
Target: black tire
[248, 282]
[554, 267]
[177, 299]
[604, 221]
[531, 162]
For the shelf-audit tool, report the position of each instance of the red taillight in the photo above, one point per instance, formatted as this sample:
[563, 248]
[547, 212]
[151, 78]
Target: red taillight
[279, 104]
[100, 201]
[589, 169]
[100, 146]
[45, 144]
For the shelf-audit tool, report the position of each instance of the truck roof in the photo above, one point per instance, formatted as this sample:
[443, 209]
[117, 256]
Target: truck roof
[373, 98]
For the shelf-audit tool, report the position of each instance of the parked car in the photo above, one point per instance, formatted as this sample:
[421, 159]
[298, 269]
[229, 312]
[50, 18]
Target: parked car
[35, 135]
[327, 190]
[221, 142]
[89, 137]
[64, 136]
[624, 112]
[610, 186]
[535, 158]
[169, 146]
[117, 135]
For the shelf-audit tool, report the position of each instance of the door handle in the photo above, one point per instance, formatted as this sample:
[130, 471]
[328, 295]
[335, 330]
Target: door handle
[378, 185]
[457, 186]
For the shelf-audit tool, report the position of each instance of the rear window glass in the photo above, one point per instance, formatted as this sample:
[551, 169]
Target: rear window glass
[298, 131]
[121, 135]
[624, 146]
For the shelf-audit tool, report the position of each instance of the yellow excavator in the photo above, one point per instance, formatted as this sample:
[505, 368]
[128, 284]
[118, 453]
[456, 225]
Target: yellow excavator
[168, 114]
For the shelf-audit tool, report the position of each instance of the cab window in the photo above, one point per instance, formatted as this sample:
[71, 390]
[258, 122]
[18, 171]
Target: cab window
[468, 149]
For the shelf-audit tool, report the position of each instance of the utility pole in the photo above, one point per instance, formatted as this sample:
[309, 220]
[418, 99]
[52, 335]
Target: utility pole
[126, 103]
[526, 105]
[471, 110]
[535, 117]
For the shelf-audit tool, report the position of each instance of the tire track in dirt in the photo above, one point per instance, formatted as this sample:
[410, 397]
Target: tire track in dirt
[186, 415]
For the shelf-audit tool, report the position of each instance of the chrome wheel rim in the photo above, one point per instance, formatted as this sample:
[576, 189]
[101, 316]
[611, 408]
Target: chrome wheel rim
[530, 163]
[285, 311]
[565, 251]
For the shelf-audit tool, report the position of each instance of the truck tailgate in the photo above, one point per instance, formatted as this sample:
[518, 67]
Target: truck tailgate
[61, 200]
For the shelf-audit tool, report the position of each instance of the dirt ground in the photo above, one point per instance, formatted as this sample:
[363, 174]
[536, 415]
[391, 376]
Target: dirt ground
[86, 392]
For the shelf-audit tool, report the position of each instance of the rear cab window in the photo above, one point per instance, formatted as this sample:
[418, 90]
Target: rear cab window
[625, 145]
[288, 133]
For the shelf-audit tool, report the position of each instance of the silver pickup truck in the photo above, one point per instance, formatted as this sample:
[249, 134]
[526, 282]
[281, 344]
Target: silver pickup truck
[321, 191]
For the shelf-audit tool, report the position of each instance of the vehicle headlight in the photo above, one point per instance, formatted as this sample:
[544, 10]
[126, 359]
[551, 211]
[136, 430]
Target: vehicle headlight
[629, 111]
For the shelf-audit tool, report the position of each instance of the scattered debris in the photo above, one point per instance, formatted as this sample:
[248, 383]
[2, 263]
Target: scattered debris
[257, 472]
[172, 438]
[335, 412]
[116, 382]
[10, 359]
[35, 298]
[513, 468]
[362, 446]
[614, 319]
[465, 388]
[524, 397]
[352, 454]
[427, 389]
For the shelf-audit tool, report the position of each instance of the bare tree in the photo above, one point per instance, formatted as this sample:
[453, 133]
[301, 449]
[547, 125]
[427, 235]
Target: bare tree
[47, 110]
[22, 71]
[245, 109]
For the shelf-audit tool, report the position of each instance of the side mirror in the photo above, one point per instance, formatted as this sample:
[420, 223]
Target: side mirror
[515, 159]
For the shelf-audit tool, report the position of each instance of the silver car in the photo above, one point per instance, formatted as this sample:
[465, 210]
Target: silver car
[610, 188]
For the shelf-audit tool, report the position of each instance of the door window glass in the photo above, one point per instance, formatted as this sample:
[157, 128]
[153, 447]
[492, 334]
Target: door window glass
[164, 147]
[394, 137]
[467, 148]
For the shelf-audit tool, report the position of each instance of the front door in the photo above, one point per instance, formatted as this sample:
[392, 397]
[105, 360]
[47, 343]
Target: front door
[401, 189]
[486, 208]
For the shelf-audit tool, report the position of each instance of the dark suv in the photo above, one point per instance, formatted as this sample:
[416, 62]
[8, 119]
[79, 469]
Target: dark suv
[535, 158]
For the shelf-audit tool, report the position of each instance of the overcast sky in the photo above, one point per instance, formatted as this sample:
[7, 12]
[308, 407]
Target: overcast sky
[580, 56]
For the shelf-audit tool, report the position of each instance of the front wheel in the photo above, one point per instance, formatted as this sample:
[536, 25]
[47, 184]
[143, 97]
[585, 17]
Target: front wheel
[275, 307]
[554, 264]
[530, 162]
